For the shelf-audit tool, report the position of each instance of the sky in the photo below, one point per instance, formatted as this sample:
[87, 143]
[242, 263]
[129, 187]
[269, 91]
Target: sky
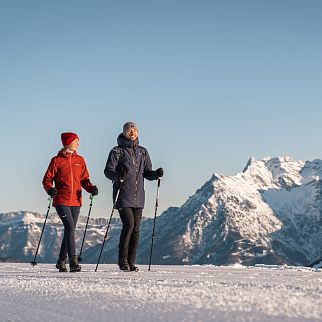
[209, 83]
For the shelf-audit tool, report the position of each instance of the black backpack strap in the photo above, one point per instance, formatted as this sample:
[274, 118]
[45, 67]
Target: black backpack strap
[121, 153]
[119, 150]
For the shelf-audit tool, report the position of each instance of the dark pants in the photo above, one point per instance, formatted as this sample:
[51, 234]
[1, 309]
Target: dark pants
[129, 238]
[69, 217]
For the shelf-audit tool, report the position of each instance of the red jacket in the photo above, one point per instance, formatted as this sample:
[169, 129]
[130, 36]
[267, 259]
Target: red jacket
[69, 172]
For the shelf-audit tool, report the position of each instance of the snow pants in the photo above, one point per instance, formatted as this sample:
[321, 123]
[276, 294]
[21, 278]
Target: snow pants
[69, 217]
[129, 237]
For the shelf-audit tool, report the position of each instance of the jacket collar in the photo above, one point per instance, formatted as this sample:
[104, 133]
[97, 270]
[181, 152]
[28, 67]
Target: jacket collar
[122, 141]
[65, 155]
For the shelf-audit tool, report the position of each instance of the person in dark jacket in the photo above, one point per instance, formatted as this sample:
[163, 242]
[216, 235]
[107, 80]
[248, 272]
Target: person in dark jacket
[69, 173]
[128, 164]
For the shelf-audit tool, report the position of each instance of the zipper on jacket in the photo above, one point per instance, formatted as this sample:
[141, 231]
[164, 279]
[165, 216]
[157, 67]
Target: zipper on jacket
[133, 156]
[135, 162]
[71, 179]
[136, 184]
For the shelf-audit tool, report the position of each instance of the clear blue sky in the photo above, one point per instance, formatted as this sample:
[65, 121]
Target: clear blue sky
[210, 84]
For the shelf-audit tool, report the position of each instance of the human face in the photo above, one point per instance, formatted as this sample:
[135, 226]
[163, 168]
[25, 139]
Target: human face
[131, 134]
[73, 146]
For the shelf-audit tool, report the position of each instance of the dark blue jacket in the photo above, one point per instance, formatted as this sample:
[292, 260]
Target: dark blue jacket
[129, 156]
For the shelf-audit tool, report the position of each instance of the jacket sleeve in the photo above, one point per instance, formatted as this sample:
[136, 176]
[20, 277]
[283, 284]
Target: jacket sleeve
[85, 182]
[148, 173]
[49, 176]
[111, 164]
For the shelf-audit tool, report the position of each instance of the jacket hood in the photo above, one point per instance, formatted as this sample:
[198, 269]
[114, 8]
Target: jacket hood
[65, 155]
[123, 141]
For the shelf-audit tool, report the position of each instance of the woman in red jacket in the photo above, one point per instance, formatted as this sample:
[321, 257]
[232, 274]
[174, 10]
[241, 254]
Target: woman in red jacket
[69, 173]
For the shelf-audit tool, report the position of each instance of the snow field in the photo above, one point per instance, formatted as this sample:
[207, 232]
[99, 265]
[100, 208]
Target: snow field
[167, 293]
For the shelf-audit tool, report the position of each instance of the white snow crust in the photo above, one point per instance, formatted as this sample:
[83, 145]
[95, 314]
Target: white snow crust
[167, 293]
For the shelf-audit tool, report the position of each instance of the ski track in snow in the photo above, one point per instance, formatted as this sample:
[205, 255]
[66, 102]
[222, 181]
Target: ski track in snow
[167, 293]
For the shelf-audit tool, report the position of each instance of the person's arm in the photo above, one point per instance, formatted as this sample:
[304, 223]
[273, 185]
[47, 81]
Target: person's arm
[148, 173]
[49, 176]
[110, 170]
[85, 182]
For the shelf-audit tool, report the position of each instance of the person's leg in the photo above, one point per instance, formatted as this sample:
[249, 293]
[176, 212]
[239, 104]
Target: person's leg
[68, 243]
[63, 248]
[127, 218]
[75, 213]
[73, 260]
[134, 240]
[65, 216]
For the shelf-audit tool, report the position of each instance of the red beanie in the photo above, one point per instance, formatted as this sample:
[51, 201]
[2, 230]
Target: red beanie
[68, 137]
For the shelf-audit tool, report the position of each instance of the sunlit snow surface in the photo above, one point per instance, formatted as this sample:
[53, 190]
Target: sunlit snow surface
[167, 293]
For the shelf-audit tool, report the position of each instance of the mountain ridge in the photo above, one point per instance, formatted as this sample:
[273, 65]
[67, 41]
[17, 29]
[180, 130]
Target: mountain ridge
[269, 213]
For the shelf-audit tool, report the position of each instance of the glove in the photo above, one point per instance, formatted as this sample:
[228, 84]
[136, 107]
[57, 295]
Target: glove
[94, 191]
[122, 176]
[159, 173]
[52, 192]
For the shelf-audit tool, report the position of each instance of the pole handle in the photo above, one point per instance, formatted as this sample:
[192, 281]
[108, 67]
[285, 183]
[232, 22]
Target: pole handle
[50, 201]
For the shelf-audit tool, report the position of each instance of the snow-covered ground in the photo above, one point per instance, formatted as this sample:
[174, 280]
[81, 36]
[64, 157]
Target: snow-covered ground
[166, 293]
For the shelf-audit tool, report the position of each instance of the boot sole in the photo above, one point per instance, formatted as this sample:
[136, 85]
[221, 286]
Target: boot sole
[125, 270]
[62, 270]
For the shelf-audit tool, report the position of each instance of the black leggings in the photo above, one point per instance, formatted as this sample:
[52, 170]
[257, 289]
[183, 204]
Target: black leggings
[129, 238]
[69, 217]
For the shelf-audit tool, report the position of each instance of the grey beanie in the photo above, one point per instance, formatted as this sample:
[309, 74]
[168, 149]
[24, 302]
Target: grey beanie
[129, 125]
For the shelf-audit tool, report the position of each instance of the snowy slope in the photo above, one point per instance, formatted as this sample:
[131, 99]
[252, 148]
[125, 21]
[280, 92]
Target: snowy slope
[167, 293]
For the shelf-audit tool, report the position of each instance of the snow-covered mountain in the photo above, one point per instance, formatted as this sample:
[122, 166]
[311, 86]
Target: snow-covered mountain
[269, 213]
[20, 233]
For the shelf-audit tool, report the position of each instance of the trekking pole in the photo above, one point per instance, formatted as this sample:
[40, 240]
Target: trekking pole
[89, 213]
[33, 263]
[155, 216]
[109, 223]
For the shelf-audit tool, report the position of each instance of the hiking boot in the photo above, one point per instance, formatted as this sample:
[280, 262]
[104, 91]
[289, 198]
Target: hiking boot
[73, 264]
[61, 264]
[124, 265]
[133, 268]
